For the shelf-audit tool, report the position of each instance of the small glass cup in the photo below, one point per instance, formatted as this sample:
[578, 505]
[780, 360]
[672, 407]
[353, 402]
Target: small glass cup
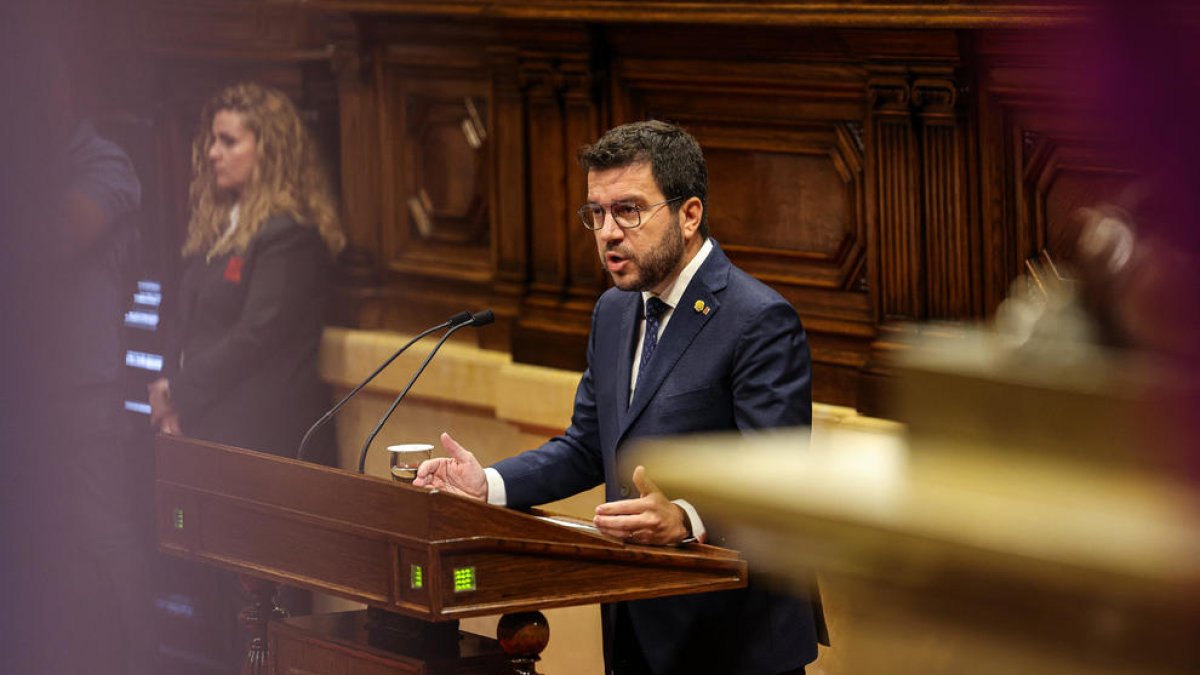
[407, 458]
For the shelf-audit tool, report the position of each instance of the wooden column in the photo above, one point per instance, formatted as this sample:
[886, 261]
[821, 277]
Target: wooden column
[564, 277]
[949, 246]
[507, 191]
[895, 191]
[359, 148]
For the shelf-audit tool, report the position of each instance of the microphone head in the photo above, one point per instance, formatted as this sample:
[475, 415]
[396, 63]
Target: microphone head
[460, 319]
[482, 318]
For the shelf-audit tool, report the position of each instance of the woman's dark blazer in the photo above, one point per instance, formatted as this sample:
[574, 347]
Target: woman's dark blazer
[243, 362]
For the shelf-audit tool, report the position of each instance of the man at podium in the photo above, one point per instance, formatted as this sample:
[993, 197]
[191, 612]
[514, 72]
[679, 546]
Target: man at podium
[686, 342]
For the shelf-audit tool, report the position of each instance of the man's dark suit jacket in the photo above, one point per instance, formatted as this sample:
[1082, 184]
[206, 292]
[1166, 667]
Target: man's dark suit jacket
[744, 364]
[243, 362]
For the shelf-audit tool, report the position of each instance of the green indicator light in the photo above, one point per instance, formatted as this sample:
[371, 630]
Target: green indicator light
[464, 579]
[179, 519]
[416, 576]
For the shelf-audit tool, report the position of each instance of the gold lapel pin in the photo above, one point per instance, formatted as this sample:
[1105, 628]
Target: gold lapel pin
[700, 307]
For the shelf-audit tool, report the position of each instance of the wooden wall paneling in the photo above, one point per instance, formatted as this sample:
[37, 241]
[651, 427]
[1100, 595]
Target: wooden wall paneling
[228, 28]
[437, 218]
[509, 186]
[842, 152]
[1062, 176]
[922, 240]
[587, 275]
[434, 107]
[783, 142]
[786, 206]
[548, 205]
[359, 162]
[1012, 91]
[1041, 159]
[1004, 244]
[559, 92]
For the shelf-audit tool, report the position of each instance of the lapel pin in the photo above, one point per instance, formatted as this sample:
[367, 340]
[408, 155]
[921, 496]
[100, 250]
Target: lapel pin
[700, 307]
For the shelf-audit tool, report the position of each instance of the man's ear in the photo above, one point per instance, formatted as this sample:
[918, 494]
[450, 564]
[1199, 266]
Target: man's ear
[690, 215]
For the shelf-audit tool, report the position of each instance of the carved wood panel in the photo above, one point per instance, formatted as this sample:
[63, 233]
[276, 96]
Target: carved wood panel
[424, 214]
[1060, 178]
[783, 141]
[1040, 163]
[926, 242]
[436, 186]
[559, 88]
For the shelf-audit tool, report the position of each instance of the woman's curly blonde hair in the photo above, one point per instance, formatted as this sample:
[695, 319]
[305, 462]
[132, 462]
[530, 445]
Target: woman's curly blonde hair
[287, 179]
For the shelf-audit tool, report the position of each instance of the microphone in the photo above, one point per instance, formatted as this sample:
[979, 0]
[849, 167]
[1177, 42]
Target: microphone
[460, 319]
[482, 318]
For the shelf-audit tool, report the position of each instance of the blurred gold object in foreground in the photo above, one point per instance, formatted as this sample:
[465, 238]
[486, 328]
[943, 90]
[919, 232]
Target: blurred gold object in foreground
[1031, 516]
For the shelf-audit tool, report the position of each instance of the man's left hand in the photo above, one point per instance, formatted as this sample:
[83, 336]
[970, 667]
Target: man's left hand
[649, 519]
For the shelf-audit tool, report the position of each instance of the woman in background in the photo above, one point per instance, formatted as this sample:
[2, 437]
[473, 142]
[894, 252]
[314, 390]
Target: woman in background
[242, 367]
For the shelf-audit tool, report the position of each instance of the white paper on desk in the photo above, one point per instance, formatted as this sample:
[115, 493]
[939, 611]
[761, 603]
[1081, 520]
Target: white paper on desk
[570, 522]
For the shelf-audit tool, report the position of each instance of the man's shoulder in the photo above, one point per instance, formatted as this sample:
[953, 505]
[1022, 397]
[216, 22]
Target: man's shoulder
[614, 298]
[101, 170]
[746, 288]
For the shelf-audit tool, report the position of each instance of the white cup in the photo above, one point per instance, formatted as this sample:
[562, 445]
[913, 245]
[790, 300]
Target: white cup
[407, 458]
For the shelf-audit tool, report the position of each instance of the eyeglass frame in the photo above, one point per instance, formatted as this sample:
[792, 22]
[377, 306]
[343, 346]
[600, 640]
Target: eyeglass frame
[585, 211]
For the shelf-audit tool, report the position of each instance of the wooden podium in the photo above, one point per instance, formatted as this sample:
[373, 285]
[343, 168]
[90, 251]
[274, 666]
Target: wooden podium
[419, 559]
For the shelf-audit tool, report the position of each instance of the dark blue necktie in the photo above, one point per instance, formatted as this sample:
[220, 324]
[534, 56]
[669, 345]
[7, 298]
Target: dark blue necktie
[654, 311]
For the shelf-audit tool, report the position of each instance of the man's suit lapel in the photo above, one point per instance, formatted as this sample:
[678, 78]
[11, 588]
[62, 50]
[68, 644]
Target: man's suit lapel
[697, 306]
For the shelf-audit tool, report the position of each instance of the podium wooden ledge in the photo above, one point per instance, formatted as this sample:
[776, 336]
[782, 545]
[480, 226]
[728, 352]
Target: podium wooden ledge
[426, 554]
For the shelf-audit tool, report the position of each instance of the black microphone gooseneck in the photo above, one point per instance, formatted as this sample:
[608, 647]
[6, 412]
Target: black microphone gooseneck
[461, 318]
[482, 318]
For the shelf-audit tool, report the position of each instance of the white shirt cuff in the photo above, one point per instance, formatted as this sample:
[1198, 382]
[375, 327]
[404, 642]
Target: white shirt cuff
[496, 494]
[698, 532]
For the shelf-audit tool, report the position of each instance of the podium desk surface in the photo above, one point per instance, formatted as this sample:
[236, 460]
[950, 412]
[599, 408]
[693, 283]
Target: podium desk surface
[423, 553]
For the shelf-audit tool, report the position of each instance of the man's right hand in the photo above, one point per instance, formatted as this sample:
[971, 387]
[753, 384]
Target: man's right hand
[459, 473]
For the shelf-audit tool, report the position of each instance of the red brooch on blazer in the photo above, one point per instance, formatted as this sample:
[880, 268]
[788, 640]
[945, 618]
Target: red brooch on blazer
[233, 270]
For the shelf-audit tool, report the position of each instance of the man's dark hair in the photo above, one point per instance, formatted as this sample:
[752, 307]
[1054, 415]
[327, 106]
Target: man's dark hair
[675, 159]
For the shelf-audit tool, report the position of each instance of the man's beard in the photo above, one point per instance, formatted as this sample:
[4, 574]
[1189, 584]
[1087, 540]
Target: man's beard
[659, 262]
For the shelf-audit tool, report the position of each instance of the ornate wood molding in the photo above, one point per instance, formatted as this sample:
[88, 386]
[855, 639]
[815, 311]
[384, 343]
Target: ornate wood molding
[883, 14]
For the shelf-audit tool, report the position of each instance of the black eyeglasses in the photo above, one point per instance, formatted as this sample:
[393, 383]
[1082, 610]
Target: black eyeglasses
[626, 215]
